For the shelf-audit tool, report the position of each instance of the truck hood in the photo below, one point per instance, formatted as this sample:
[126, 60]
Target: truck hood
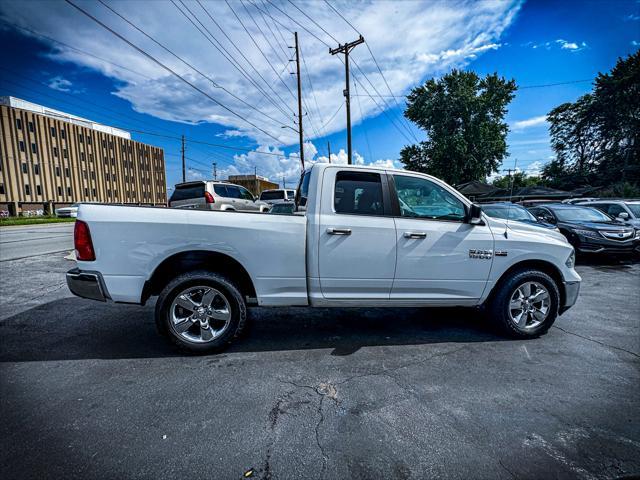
[499, 226]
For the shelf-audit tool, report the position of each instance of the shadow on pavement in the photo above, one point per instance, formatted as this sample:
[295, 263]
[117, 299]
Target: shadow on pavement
[73, 328]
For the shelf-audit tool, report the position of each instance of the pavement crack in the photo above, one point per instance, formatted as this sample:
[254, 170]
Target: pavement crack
[317, 429]
[597, 341]
[506, 469]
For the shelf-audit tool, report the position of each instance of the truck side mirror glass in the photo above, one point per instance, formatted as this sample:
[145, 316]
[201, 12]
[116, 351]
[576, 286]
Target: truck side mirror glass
[623, 216]
[474, 215]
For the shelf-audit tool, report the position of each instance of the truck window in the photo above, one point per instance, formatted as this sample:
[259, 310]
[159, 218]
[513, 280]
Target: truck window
[358, 193]
[272, 195]
[186, 192]
[421, 198]
[303, 190]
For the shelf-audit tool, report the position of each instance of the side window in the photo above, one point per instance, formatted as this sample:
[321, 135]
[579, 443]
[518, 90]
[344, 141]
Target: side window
[303, 190]
[421, 198]
[233, 191]
[220, 190]
[358, 193]
[615, 210]
[246, 194]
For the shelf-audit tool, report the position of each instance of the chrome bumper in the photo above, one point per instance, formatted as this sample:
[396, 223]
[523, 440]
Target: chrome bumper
[571, 291]
[87, 285]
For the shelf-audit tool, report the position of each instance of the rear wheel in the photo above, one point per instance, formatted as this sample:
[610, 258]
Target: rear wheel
[201, 312]
[525, 304]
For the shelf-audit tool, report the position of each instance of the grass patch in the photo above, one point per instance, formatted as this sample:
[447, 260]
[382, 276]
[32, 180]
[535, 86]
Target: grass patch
[5, 222]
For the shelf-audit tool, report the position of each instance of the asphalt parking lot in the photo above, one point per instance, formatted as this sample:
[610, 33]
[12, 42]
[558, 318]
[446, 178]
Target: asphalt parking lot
[89, 390]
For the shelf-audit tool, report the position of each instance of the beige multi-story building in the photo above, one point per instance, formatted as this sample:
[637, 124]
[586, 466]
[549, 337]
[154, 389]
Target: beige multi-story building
[50, 158]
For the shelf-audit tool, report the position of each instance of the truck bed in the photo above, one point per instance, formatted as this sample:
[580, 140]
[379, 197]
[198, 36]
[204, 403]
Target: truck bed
[131, 242]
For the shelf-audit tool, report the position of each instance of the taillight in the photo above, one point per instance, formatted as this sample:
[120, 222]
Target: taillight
[208, 197]
[82, 242]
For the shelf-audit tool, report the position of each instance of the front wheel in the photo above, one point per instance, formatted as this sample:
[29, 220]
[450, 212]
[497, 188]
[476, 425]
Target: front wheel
[201, 312]
[525, 304]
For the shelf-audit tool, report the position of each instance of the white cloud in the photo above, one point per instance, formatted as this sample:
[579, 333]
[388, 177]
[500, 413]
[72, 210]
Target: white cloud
[534, 169]
[563, 44]
[60, 84]
[435, 37]
[635, 43]
[529, 122]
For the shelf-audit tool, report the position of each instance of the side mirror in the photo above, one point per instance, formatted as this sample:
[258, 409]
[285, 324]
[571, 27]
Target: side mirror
[255, 198]
[623, 216]
[474, 214]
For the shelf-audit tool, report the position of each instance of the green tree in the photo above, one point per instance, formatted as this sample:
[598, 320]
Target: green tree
[596, 138]
[519, 179]
[463, 117]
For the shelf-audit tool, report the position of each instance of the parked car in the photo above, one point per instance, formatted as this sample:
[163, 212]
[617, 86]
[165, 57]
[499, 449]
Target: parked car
[282, 208]
[277, 196]
[215, 195]
[573, 201]
[589, 230]
[70, 211]
[513, 211]
[355, 245]
[625, 211]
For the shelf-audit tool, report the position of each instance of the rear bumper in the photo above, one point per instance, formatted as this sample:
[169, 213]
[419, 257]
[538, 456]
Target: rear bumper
[571, 292]
[87, 285]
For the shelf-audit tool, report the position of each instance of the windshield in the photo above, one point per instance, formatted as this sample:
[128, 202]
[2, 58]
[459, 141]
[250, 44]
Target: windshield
[512, 212]
[580, 214]
[635, 209]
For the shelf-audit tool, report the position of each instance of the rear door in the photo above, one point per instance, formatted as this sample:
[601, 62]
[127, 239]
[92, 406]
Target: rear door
[188, 195]
[248, 200]
[357, 237]
[234, 198]
[440, 258]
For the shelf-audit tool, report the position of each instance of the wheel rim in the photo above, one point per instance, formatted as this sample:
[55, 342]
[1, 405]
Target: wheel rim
[529, 305]
[200, 314]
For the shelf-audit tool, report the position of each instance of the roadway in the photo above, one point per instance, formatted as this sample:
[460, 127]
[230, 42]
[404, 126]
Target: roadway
[31, 240]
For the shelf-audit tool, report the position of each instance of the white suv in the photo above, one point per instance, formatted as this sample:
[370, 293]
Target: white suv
[279, 195]
[215, 195]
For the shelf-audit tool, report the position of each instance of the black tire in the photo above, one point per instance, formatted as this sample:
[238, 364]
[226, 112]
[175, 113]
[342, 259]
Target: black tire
[225, 287]
[498, 308]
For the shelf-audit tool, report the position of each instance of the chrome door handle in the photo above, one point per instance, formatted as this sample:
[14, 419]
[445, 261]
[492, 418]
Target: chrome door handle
[338, 231]
[415, 235]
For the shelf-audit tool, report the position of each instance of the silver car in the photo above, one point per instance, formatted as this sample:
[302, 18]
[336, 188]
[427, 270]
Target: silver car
[215, 195]
[627, 211]
[70, 211]
[279, 195]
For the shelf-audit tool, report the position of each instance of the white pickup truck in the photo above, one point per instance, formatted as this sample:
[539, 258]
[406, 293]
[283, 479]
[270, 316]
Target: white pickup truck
[360, 237]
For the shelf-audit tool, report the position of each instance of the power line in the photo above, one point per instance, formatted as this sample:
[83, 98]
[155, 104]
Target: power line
[366, 135]
[230, 59]
[215, 84]
[258, 47]
[285, 59]
[284, 42]
[155, 60]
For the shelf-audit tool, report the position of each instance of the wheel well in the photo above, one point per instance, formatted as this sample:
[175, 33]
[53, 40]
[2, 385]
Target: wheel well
[542, 265]
[199, 260]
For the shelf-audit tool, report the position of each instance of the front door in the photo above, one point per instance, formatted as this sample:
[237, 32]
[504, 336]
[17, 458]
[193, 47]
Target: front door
[357, 237]
[438, 256]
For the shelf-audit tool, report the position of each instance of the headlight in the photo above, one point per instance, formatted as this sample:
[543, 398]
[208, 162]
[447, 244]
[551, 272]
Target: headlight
[588, 233]
[571, 261]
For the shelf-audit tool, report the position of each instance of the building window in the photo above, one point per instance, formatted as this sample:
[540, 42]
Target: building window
[91, 157]
[93, 191]
[88, 140]
[93, 175]
[59, 191]
[27, 190]
[104, 144]
[113, 177]
[109, 193]
[113, 161]
[86, 192]
[1, 188]
[111, 145]
[66, 172]
[84, 174]
[57, 171]
[24, 168]
[80, 138]
[18, 124]
[38, 190]
[31, 129]
[36, 169]
[63, 134]
[55, 151]
[53, 131]
[21, 145]
[34, 148]
[68, 191]
[65, 154]
[82, 156]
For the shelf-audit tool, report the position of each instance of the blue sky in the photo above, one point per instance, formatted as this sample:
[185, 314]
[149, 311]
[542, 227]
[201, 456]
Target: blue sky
[536, 43]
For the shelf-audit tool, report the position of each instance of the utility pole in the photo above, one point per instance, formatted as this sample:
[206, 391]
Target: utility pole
[255, 175]
[329, 150]
[300, 130]
[215, 171]
[284, 183]
[184, 176]
[346, 48]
